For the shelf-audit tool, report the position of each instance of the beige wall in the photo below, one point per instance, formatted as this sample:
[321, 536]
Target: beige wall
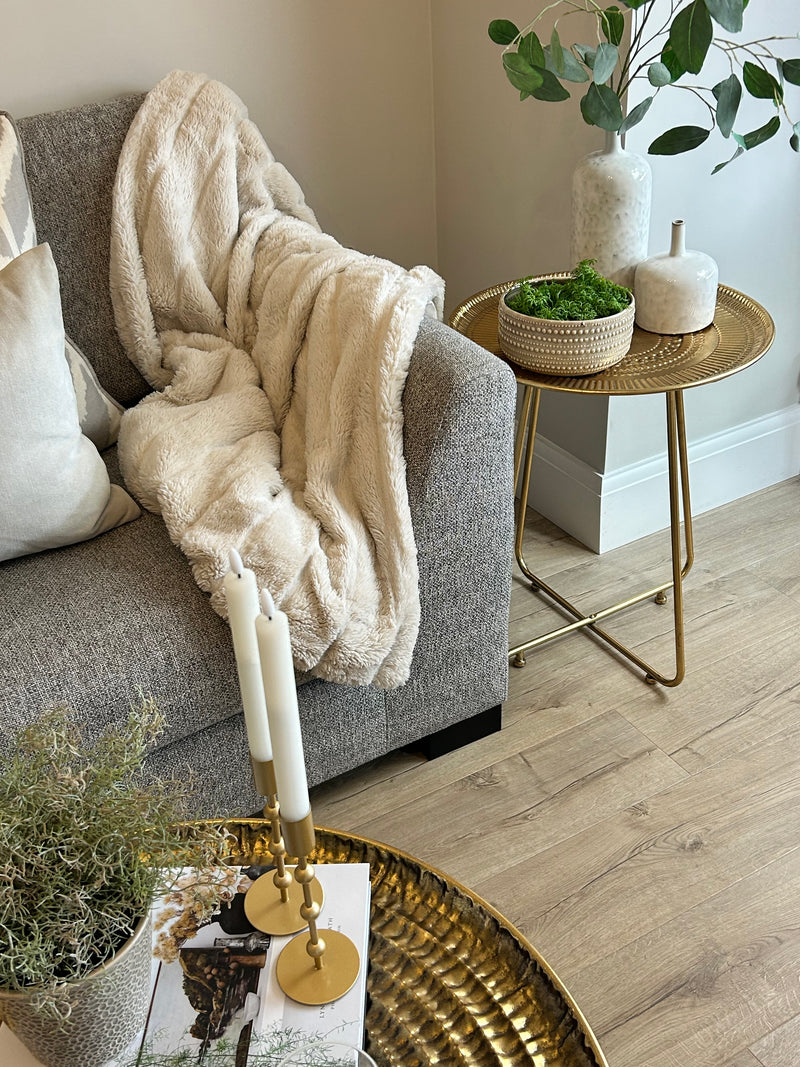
[341, 90]
[410, 144]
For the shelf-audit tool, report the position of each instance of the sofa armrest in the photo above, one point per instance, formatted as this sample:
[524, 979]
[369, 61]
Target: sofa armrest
[458, 408]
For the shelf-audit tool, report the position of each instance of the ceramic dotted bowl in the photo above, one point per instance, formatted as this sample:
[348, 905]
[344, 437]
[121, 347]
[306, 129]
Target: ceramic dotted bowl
[564, 347]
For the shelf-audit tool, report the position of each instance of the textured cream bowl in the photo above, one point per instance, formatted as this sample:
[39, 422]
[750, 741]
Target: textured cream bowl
[568, 347]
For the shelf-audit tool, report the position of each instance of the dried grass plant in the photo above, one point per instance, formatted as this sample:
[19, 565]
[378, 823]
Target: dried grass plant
[86, 840]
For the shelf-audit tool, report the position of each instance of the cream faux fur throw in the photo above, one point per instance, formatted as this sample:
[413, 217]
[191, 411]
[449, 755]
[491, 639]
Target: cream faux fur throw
[279, 360]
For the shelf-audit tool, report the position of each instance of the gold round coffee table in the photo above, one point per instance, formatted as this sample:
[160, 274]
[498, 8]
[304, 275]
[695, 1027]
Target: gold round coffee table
[742, 331]
[450, 981]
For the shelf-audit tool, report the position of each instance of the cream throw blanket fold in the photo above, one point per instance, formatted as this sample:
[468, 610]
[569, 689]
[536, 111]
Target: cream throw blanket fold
[279, 360]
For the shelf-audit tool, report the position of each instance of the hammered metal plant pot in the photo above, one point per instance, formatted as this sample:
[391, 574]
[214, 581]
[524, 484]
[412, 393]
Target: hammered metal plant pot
[109, 1009]
[563, 347]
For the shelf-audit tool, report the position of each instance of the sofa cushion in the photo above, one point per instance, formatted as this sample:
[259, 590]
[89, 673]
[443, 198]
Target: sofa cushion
[98, 412]
[54, 488]
[70, 190]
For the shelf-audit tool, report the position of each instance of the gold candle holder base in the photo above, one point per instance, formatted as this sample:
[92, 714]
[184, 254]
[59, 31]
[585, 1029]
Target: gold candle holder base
[302, 981]
[269, 913]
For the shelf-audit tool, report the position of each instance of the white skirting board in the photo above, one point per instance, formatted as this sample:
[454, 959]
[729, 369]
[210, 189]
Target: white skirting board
[604, 511]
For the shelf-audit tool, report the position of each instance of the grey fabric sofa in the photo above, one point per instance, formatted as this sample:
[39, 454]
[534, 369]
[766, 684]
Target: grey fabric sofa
[92, 623]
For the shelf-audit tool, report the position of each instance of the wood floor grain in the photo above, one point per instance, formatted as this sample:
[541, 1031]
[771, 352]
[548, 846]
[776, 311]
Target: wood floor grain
[646, 840]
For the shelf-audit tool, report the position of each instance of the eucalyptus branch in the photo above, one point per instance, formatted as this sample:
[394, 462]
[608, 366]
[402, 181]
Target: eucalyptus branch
[690, 40]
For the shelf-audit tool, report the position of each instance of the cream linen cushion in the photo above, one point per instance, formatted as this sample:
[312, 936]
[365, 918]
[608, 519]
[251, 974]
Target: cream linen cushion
[54, 488]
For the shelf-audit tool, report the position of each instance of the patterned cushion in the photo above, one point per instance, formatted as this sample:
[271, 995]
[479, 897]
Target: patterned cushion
[17, 232]
[54, 486]
[99, 413]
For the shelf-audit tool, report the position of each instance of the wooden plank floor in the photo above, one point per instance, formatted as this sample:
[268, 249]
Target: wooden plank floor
[646, 840]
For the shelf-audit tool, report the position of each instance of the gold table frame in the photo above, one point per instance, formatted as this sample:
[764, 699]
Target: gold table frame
[742, 331]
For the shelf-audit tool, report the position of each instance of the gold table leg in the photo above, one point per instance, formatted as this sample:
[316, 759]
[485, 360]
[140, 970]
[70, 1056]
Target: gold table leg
[679, 508]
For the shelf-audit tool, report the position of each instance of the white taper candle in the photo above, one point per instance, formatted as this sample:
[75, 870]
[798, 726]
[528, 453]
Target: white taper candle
[241, 593]
[277, 670]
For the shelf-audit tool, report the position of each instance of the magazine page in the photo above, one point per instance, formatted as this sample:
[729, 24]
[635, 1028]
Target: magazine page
[219, 1003]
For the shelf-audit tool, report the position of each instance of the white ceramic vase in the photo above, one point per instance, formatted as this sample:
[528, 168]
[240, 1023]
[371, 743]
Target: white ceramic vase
[109, 1009]
[611, 191]
[676, 292]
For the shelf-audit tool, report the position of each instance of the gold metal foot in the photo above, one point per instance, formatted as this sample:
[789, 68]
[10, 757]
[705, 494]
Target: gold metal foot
[648, 678]
[268, 912]
[661, 597]
[306, 983]
[518, 660]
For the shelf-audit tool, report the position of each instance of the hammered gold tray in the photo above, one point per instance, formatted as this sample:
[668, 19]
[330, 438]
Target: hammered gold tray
[450, 981]
[742, 331]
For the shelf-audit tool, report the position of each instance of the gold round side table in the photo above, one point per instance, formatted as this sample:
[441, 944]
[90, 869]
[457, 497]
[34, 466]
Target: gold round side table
[450, 982]
[742, 331]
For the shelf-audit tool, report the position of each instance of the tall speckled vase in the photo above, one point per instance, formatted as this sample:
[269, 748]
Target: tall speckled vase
[611, 191]
[109, 1009]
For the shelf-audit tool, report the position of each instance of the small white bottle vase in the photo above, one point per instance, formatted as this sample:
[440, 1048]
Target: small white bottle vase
[676, 292]
[611, 191]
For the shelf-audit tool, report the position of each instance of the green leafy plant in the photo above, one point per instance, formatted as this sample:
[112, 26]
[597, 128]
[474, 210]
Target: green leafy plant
[584, 295]
[85, 843]
[664, 54]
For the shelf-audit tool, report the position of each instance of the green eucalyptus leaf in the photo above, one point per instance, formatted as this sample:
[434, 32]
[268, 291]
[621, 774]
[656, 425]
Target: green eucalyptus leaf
[601, 107]
[761, 84]
[551, 88]
[605, 62]
[691, 34]
[729, 95]
[586, 54]
[530, 48]
[679, 139]
[556, 52]
[658, 74]
[520, 73]
[672, 63]
[739, 151]
[794, 140]
[762, 134]
[636, 115]
[633, 4]
[728, 13]
[791, 71]
[612, 22]
[502, 31]
[573, 70]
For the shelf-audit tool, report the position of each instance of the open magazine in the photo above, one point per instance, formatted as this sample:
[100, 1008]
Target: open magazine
[219, 1004]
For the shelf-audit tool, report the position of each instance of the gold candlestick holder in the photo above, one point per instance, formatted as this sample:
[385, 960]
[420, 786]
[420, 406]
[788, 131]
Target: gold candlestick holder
[314, 971]
[282, 912]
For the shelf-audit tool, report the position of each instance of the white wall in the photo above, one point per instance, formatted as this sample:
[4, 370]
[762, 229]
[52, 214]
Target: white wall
[744, 432]
[341, 90]
[748, 218]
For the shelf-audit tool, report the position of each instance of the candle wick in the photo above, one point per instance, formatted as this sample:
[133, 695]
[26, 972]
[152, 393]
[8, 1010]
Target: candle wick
[267, 604]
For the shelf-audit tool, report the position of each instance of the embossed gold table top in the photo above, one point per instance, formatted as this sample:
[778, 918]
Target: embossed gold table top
[742, 331]
[450, 981]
